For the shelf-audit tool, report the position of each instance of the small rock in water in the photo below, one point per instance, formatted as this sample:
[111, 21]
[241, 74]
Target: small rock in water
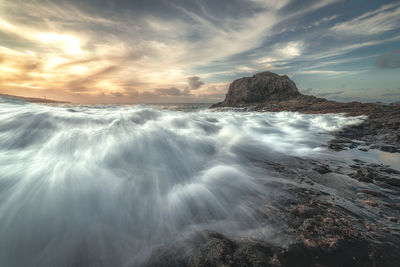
[390, 149]
[322, 169]
[367, 175]
[353, 145]
[336, 146]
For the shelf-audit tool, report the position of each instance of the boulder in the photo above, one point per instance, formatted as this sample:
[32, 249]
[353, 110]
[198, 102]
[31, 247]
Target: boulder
[260, 88]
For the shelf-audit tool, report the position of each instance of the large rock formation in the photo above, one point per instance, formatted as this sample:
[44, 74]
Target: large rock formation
[262, 87]
[270, 92]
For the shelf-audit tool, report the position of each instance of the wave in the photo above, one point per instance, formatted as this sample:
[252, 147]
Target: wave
[102, 185]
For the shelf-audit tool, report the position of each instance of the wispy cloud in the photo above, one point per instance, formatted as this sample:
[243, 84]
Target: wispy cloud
[378, 21]
[82, 51]
[328, 72]
[330, 93]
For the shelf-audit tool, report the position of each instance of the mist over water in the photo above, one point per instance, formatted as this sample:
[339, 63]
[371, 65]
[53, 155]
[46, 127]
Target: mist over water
[102, 185]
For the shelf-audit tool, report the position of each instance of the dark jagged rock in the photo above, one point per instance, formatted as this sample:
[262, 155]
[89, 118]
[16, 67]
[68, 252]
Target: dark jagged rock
[326, 235]
[310, 227]
[209, 248]
[378, 174]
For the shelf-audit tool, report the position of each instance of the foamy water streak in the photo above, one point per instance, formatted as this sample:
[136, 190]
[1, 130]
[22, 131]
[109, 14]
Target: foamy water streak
[101, 185]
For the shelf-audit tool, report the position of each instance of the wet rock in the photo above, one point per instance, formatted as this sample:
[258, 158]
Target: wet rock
[389, 170]
[336, 146]
[372, 193]
[353, 145]
[364, 174]
[391, 149]
[374, 147]
[393, 181]
[322, 169]
[321, 233]
[371, 203]
[354, 166]
[209, 248]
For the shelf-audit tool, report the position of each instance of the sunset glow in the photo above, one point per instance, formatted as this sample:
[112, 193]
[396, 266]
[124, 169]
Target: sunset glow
[130, 52]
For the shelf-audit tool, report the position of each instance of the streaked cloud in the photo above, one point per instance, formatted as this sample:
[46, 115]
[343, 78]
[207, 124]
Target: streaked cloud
[384, 19]
[132, 51]
[330, 94]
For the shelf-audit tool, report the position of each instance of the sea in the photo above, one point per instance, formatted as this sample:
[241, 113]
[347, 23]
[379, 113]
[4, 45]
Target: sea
[103, 185]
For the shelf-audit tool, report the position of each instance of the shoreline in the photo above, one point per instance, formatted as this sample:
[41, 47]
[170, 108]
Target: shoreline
[335, 211]
[381, 129]
[331, 211]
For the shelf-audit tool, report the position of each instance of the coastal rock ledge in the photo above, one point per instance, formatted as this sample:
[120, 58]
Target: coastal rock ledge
[270, 92]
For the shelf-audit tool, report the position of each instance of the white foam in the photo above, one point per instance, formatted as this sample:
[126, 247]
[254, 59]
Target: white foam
[104, 184]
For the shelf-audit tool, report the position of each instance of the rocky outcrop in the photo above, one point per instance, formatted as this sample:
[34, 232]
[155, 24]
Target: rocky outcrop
[317, 230]
[270, 92]
[262, 87]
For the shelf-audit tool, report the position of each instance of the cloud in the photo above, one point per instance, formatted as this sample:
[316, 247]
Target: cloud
[126, 50]
[172, 91]
[390, 60]
[117, 94]
[391, 94]
[384, 19]
[195, 83]
[290, 50]
[85, 83]
[330, 93]
[307, 91]
[81, 52]
[325, 20]
[326, 72]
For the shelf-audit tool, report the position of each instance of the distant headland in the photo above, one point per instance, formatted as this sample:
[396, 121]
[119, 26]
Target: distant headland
[34, 99]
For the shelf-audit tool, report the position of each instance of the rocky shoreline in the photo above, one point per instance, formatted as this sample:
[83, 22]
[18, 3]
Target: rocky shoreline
[269, 92]
[331, 212]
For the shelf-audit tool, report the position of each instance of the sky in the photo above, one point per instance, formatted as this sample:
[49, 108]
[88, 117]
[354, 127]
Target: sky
[151, 51]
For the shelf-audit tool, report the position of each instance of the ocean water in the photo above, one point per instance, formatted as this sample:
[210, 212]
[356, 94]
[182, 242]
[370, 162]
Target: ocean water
[103, 185]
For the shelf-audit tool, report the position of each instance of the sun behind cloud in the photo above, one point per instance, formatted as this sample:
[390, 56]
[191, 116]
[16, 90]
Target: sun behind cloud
[128, 53]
